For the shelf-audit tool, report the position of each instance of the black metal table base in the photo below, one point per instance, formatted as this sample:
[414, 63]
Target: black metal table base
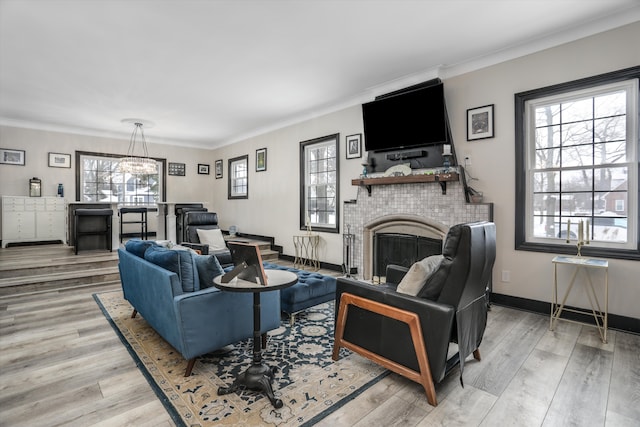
[256, 377]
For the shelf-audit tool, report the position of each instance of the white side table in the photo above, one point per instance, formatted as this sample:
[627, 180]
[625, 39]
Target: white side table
[306, 246]
[586, 265]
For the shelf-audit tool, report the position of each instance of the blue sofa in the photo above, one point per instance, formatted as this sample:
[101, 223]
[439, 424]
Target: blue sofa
[169, 289]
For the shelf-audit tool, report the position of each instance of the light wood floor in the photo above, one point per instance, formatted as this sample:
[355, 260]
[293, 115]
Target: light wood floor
[62, 364]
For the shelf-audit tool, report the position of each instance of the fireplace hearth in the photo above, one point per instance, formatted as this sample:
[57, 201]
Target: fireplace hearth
[401, 249]
[413, 209]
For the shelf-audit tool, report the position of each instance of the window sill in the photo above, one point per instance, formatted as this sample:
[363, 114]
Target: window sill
[628, 254]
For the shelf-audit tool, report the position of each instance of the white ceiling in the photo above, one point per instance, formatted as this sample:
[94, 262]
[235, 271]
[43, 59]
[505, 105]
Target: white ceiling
[209, 73]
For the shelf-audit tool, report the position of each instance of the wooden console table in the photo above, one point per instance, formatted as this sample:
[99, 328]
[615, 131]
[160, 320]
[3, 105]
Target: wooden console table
[440, 178]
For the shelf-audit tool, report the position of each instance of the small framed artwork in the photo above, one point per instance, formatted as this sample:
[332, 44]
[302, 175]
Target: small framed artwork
[59, 160]
[177, 169]
[261, 160]
[480, 123]
[354, 146]
[203, 169]
[218, 166]
[11, 157]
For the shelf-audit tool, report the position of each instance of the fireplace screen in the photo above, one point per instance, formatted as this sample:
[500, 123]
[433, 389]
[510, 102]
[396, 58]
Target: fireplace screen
[401, 249]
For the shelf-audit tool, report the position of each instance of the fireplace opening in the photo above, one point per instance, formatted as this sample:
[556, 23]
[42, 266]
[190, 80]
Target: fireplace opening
[401, 249]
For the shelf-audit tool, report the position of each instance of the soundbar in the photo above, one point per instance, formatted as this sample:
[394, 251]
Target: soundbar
[406, 155]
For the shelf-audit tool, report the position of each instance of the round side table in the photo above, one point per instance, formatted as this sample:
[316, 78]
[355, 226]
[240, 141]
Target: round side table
[259, 375]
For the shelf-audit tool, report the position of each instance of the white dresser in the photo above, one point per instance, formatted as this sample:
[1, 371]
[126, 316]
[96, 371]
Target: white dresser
[33, 219]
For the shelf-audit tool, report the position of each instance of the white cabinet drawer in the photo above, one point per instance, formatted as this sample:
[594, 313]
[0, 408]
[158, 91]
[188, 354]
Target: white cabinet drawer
[19, 225]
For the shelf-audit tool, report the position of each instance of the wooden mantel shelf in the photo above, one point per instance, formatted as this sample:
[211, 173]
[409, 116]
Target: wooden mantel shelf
[440, 178]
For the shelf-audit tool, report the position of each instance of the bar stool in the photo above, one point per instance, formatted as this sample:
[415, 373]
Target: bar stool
[142, 221]
[92, 222]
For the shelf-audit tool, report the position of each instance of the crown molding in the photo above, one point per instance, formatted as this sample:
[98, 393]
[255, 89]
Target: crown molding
[443, 71]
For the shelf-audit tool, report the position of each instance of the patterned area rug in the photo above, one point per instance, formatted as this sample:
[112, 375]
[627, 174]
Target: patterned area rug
[310, 384]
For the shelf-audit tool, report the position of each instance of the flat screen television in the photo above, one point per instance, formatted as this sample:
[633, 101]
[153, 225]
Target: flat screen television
[409, 119]
[247, 263]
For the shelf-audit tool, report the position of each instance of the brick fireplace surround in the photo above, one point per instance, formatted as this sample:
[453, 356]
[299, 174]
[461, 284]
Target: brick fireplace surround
[411, 208]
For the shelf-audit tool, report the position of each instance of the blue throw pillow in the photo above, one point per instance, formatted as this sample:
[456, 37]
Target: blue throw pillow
[138, 247]
[208, 268]
[180, 262]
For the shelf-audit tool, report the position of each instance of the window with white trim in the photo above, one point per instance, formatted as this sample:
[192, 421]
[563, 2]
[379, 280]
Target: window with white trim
[319, 189]
[577, 158]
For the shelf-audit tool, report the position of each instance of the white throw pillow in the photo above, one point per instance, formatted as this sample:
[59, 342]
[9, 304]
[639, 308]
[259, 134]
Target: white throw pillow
[182, 248]
[213, 238]
[418, 274]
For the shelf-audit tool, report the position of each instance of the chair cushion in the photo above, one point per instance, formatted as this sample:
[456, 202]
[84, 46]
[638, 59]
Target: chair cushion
[180, 262]
[138, 247]
[208, 268]
[418, 275]
[435, 283]
[213, 238]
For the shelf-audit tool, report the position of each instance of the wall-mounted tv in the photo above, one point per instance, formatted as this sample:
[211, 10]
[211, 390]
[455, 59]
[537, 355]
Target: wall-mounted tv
[411, 118]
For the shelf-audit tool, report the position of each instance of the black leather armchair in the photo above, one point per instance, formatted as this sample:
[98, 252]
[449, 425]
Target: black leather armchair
[195, 220]
[410, 335]
[181, 210]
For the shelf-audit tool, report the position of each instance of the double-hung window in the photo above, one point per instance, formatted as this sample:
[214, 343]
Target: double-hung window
[319, 189]
[239, 178]
[577, 162]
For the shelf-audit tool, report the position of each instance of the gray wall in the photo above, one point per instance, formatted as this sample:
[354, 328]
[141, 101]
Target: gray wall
[272, 206]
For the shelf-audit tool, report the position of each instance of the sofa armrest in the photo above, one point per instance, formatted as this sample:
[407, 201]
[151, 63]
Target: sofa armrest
[388, 295]
[224, 257]
[203, 248]
[395, 273]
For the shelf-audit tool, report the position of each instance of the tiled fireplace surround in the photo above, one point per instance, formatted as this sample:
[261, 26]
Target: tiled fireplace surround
[418, 209]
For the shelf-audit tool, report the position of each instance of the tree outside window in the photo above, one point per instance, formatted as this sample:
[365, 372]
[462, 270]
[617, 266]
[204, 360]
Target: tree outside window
[577, 161]
[100, 180]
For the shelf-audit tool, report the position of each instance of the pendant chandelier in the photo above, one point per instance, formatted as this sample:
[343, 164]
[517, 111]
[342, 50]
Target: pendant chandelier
[137, 165]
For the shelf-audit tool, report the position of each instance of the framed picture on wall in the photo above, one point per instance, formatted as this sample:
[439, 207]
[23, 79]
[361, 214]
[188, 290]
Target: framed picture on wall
[261, 160]
[11, 157]
[480, 123]
[203, 169]
[354, 146]
[177, 169]
[218, 167]
[59, 160]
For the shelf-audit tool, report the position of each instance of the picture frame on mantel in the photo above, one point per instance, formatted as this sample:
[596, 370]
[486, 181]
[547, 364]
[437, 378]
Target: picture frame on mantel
[354, 146]
[9, 156]
[480, 123]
